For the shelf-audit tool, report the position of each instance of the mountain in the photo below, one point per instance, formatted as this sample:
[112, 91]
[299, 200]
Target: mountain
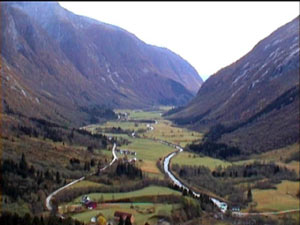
[254, 102]
[60, 66]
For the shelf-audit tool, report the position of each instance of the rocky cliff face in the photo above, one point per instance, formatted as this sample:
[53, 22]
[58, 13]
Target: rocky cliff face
[55, 62]
[256, 97]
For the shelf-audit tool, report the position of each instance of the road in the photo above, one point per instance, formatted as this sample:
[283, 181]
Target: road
[49, 197]
[265, 213]
[113, 160]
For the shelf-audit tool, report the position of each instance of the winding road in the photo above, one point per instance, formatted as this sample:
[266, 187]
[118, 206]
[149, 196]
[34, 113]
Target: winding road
[49, 197]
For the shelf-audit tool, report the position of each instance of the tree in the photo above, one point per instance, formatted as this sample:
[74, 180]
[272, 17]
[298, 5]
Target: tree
[127, 221]
[87, 166]
[101, 220]
[92, 163]
[90, 149]
[249, 195]
[101, 199]
[121, 221]
[58, 180]
[23, 166]
[298, 193]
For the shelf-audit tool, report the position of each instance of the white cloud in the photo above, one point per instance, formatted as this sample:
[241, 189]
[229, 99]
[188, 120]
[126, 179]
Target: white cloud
[209, 35]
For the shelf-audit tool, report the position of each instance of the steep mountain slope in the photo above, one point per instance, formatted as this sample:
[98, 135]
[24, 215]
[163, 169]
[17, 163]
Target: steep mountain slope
[256, 98]
[57, 65]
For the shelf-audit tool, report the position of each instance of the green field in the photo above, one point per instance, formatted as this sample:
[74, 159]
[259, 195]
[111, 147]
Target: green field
[187, 158]
[142, 115]
[148, 191]
[86, 183]
[283, 198]
[149, 152]
[165, 130]
[139, 211]
[276, 155]
[124, 125]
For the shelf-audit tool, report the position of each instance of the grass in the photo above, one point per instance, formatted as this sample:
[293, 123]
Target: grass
[85, 183]
[275, 155]
[149, 151]
[142, 115]
[124, 125]
[140, 218]
[148, 191]
[283, 198]
[47, 154]
[166, 131]
[187, 158]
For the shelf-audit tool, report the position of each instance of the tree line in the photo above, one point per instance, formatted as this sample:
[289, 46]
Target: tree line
[40, 128]
[8, 218]
[129, 170]
[215, 150]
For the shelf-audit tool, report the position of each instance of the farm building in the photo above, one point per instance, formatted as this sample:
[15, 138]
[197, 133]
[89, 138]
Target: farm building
[85, 199]
[91, 205]
[235, 208]
[125, 152]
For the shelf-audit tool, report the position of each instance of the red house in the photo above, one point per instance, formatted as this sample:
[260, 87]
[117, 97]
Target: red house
[91, 205]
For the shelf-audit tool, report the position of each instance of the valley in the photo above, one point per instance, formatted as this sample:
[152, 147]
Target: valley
[150, 148]
[99, 127]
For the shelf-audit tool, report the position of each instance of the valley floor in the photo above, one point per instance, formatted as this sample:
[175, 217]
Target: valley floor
[149, 152]
[139, 135]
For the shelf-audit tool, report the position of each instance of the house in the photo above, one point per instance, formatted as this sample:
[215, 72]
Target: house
[85, 199]
[124, 215]
[94, 219]
[223, 206]
[91, 205]
[235, 208]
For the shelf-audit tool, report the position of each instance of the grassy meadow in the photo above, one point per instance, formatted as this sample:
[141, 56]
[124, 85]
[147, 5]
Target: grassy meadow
[149, 152]
[282, 198]
[165, 130]
[147, 191]
[142, 212]
[187, 158]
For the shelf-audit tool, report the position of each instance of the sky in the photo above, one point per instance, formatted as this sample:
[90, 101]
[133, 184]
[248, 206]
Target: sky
[209, 35]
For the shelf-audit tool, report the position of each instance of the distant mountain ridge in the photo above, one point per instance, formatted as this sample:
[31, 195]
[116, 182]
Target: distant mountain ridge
[256, 98]
[55, 62]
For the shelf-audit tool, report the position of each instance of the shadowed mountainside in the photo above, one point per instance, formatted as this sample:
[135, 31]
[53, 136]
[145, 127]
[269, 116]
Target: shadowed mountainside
[55, 63]
[255, 99]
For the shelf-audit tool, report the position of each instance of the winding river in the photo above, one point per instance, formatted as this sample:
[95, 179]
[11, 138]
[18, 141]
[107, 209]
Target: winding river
[221, 205]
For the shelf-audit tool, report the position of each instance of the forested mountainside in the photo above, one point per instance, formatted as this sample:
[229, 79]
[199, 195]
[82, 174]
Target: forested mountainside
[67, 68]
[254, 102]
